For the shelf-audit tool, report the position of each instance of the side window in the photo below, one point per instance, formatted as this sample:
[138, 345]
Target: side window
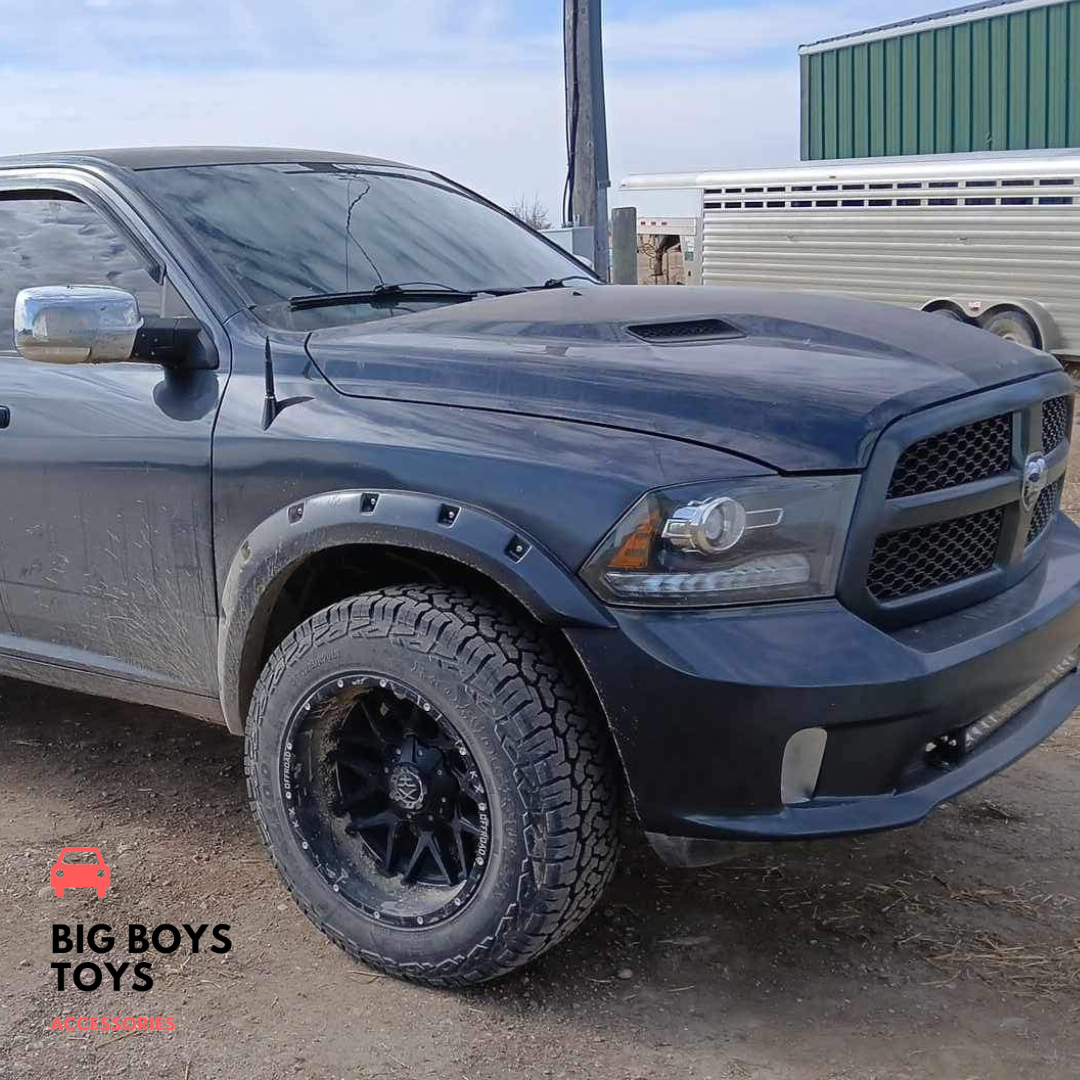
[56, 240]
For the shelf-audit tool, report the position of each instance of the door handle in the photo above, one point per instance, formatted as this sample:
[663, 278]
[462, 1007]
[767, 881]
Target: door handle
[5, 416]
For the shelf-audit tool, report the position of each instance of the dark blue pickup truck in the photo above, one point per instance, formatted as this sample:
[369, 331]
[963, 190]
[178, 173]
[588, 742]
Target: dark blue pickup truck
[480, 555]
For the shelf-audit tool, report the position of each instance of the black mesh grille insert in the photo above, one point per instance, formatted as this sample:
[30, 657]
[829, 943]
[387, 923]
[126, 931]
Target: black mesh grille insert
[1045, 509]
[689, 330]
[974, 452]
[916, 560]
[1055, 423]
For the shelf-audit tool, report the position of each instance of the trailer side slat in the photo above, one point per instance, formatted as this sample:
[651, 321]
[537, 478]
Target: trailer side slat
[992, 230]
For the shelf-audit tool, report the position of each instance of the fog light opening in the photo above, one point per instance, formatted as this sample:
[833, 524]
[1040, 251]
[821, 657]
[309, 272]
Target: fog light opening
[803, 756]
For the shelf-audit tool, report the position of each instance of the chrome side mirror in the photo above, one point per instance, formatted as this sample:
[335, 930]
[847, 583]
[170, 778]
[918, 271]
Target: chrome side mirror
[76, 324]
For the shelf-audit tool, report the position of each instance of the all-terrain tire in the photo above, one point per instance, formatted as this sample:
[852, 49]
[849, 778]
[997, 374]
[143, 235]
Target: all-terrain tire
[543, 752]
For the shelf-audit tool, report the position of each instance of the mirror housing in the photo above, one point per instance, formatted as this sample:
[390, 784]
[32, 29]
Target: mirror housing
[76, 324]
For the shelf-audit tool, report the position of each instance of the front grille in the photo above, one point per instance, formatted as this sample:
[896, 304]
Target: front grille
[1045, 509]
[948, 526]
[917, 560]
[975, 452]
[1055, 418]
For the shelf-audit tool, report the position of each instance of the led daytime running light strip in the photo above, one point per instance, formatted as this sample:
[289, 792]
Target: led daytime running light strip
[767, 572]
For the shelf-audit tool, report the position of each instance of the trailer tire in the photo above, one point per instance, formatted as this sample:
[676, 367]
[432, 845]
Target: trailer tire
[477, 708]
[1012, 324]
[949, 312]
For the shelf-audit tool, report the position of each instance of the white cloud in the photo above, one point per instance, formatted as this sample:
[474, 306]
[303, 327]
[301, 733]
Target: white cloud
[695, 121]
[732, 32]
[511, 141]
[283, 34]
[101, 34]
[432, 82]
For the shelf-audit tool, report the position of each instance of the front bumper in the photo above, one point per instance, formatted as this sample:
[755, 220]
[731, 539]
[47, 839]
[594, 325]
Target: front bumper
[702, 705]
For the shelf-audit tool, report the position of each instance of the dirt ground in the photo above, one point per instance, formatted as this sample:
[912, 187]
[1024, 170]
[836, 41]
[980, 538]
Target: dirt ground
[950, 950]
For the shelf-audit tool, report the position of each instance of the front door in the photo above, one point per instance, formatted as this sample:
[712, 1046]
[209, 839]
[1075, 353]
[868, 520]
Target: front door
[105, 527]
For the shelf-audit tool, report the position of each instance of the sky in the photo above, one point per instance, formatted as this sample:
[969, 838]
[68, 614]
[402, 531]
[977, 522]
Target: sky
[474, 90]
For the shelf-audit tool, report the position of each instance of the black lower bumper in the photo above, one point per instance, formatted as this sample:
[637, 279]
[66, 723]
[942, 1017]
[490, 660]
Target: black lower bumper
[703, 705]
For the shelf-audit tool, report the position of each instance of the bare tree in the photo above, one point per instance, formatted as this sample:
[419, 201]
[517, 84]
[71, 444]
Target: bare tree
[534, 213]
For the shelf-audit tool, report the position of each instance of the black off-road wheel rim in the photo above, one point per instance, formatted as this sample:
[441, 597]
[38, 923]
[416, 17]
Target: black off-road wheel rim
[386, 800]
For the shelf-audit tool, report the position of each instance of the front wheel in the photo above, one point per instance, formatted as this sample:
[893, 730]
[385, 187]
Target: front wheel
[433, 783]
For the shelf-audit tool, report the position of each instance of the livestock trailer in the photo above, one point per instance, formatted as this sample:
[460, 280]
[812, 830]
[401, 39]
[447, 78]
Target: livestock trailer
[991, 239]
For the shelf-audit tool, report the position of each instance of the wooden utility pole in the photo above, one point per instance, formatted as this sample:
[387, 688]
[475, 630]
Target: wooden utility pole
[588, 178]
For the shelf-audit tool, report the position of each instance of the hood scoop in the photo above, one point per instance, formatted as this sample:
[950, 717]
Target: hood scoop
[685, 331]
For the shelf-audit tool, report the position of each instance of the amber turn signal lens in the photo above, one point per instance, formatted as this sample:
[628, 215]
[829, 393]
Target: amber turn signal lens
[636, 549]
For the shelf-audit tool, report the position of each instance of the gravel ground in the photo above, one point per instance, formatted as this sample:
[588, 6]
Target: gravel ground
[949, 950]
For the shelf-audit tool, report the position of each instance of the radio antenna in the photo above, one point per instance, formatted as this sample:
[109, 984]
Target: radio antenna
[271, 408]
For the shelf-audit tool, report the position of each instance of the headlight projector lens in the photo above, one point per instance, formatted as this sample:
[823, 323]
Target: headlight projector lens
[709, 528]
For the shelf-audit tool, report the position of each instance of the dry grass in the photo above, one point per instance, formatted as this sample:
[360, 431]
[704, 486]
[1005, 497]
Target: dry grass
[1024, 900]
[1027, 970]
[1034, 961]
[1032, 951]
[1065, 742]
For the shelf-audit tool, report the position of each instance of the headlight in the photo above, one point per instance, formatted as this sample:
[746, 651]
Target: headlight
[101, 873]
[732, 542]
[59, 873]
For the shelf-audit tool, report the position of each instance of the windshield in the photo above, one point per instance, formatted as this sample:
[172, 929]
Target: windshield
[69, 858]
[309, 228]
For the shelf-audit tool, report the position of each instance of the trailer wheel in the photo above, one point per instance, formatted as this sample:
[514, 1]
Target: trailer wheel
[1012, 325]
[947, 312]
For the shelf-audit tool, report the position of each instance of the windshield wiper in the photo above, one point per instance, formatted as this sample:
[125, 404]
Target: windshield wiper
[561, 282]
[413, 290]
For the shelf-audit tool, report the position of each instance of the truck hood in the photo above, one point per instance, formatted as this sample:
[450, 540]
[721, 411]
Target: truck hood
[797, 381]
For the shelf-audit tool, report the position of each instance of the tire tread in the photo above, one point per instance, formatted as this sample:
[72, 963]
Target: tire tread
[545, 723]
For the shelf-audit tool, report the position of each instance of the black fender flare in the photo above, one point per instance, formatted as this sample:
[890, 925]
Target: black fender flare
[551, 593]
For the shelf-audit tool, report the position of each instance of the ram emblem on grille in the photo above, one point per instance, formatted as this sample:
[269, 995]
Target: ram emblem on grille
[1036, 473]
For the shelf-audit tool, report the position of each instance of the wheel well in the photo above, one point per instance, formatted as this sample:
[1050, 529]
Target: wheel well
[337, 573]
[946, 305]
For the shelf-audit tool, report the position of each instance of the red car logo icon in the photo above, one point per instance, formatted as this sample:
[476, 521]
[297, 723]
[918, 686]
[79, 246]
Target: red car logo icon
[83, 873]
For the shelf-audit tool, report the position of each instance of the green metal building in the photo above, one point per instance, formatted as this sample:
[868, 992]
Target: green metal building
[999, 75]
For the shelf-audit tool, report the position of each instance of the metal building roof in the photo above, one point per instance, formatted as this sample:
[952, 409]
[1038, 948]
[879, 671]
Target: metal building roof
[1016, 164]
[968, 13]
